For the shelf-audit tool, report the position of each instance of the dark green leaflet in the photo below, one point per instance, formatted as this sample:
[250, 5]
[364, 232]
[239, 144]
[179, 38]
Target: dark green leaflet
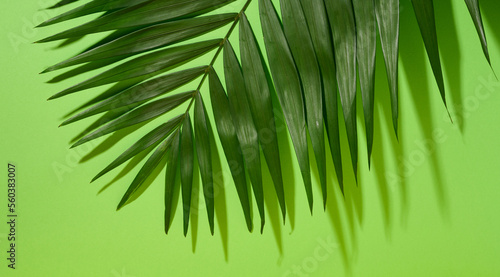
[316, 52]
[243, 122]
[170, 175]
[229, 141]
[141, 114]
[148, 65]
[288, 88]
[141, 15]
[202, 139]
[150, 38]
[424, 11]
[342, 23]
[187, 162]
[107, 117]
[473, 6]
[318, 24]
[91, 7]
[142, 92]
[259, 100]
[302, 48]
[387, 12]
[366, 43]
[150, 165]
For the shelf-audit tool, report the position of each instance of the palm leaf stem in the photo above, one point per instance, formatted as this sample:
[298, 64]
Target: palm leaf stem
[219, 50]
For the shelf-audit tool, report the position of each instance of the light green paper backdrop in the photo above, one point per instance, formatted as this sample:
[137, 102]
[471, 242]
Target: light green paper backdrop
[438, 218]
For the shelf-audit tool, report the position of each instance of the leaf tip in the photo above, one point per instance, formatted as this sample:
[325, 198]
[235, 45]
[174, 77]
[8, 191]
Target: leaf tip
[53, 97]
[43, 24]
[76, 144]
[49, 69]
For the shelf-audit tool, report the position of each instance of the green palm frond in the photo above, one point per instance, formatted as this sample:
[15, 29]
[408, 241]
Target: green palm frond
[312, 54]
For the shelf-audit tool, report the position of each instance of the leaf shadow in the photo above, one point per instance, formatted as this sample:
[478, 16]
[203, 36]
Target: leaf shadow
[385, 142]
[271, 205]
[489, 10]
[451, 57]
[333, 208]
[415, 66]
[352, 187]
[286, 156]
[220, 201]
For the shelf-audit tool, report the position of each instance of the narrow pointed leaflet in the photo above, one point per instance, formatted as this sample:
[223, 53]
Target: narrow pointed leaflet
[259, 100]
[317, 20]
[243, 123]
[170, 176]
[288, 88]
[424, 11]
[202, 140]
[366, 43]
[343, 28]
[387, 12]
[187, 166]
[302, 48]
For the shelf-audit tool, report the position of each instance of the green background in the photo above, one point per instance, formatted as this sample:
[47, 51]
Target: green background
[428, 207]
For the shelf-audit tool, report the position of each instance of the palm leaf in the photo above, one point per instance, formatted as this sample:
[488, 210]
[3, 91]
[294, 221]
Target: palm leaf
[366, 46]
[314, 52]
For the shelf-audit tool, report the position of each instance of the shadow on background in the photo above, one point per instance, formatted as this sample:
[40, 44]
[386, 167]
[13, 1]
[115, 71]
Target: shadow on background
[383, 121]
[451, 57]
[416, 67]
[490, 10]
[220, 196]
[287, 155]
[272, 207]
[334, 201]
[351, 189]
